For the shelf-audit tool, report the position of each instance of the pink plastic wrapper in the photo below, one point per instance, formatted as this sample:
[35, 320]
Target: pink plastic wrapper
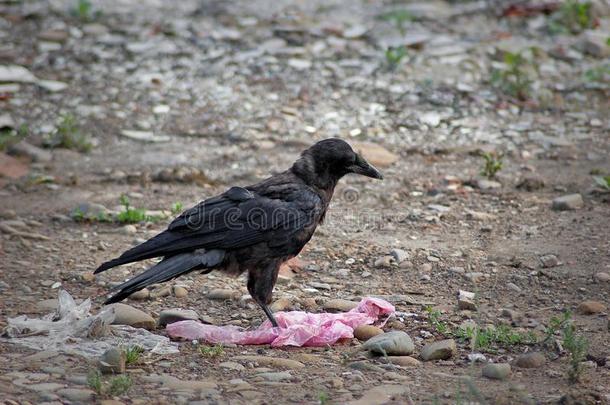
[296, 328]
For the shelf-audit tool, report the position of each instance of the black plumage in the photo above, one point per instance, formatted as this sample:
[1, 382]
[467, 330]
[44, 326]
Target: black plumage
[254, 228]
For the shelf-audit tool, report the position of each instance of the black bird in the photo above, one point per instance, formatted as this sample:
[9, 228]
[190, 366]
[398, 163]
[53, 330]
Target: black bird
[253, 229]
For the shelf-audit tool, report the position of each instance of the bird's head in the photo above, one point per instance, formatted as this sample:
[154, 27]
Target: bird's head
[329, 160]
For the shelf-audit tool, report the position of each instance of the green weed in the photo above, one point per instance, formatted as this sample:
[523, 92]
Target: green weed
[94, 381]
[133, 354]
[434, 319]
[68, 135]
[324, 398]
[492, 164]
[599, 74]
[212, 351]
[10, 136]
[514, 79]
[399, 18]
[555, 325]
[572, 17]
[394, 55]
[119, 385]
[488, 339]
[603, 182]
[83, 10]
[577, 346]
[131, 215]
[177, 208]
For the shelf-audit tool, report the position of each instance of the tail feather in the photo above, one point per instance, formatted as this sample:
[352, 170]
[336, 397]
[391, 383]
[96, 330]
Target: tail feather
[168, 269]
[164, 244]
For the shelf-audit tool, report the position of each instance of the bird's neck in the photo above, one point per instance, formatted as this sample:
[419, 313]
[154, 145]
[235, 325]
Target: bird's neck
[316, 176]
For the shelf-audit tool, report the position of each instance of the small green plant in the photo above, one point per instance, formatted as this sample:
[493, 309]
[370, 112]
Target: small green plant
[572, 17]
[79, 216]
[94, 381]
[119, 385]
[323, 398]
[133, 354]
[514, 79]
[68, 135]
[393, 55]
[398, 18]
[603, 182]
[555, 325]
[10, 136]
[434, 319]
[177, 208]
[487, 339]
[577, 346]
[83, 10]
[598, 74]
[492, 164]
[131, 215]
[212, 351]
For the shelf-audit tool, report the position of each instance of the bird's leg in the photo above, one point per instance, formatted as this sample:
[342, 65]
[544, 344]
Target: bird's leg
[269, 314]
[260, 287]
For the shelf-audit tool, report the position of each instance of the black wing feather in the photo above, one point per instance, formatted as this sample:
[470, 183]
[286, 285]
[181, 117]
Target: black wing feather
[235, 219]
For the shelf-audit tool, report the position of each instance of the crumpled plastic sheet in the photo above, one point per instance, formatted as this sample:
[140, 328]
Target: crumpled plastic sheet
[71, 329]
[296, 328]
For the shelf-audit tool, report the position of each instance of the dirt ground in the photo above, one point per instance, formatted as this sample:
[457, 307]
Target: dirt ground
[226, 93]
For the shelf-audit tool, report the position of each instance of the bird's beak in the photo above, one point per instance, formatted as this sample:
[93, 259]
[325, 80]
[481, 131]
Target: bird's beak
[365, 168]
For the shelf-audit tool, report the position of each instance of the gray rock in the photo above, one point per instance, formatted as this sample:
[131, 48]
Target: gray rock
[112, 361]
[496, 371]
[396, 343]
[127, 315]
[596, 44]
[77, 395]
[231, 365]
[129, 229]
[6, 122]
[483, 184]
[514, 287]
[590, 307]
[400, 255]
[180, 292]
[33, 152]
[276, 376]
[168, 316]
[140, 295]
[549, 261]
[476, 357]
[16, 74]
[568, 202]
[144, 136]
[466, 300]
[339, 305]
[384, 261]
[222, 294]
[52, 85]
[42, 387]
[602, 277]
[441, 350]
[530, 360]
[365, 332]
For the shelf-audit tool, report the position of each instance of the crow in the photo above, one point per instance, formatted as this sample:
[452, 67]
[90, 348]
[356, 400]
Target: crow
[254, 228]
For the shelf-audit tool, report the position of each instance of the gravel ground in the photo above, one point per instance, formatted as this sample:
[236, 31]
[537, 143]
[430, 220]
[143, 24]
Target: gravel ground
[175, 102]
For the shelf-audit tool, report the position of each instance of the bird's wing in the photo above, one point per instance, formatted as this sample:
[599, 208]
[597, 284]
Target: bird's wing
[235, 219]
